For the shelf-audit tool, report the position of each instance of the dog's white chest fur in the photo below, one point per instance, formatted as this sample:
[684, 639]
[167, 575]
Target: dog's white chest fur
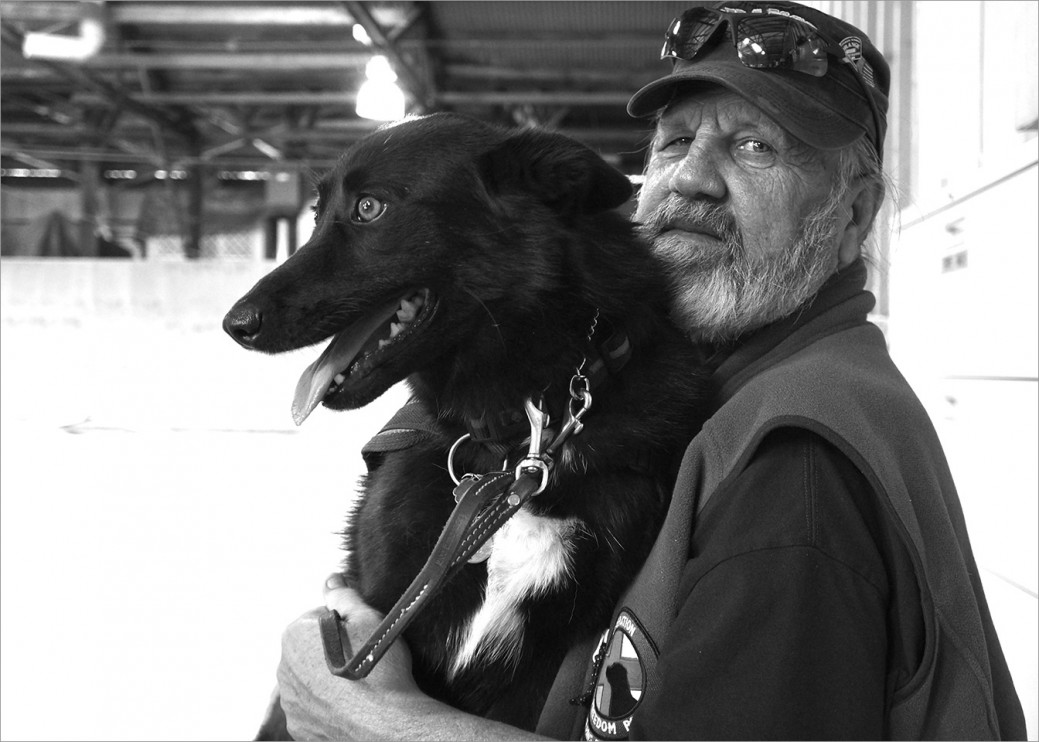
[531, 554]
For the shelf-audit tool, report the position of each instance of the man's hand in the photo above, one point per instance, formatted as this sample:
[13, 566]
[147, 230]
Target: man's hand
[385, 705]
[319, 705]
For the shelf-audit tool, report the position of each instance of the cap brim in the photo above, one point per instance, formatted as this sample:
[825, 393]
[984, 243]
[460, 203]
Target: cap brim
[791, 102]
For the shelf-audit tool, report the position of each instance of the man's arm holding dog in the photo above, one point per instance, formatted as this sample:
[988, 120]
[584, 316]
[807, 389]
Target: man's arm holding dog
[386, 705]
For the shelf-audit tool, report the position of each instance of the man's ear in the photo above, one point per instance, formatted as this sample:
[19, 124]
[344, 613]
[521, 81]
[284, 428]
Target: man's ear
[566, 175]
[862, 204]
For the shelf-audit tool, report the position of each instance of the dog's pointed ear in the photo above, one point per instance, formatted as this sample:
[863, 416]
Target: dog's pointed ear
[567, 176]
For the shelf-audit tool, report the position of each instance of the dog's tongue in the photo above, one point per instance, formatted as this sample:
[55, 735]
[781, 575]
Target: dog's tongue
[314, 383]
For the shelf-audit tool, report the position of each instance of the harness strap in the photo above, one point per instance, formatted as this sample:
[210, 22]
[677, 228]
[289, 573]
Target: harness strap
[410, 424]
[484, 504]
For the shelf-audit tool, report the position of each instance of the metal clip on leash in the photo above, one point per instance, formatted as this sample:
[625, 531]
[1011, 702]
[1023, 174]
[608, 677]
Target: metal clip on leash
[572, 425]
[535, 462]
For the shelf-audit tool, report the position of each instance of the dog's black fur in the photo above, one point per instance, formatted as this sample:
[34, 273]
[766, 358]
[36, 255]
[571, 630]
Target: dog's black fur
[514, 235]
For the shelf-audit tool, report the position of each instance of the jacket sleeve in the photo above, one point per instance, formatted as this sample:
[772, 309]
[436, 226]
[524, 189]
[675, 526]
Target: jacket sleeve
[782, 631]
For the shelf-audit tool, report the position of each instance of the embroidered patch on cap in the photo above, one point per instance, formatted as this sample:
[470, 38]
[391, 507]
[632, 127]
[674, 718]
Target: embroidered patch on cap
[622, 679]
[852, 46]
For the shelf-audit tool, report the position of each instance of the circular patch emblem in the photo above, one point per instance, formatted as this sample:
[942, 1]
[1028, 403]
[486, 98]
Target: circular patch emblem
[621, 682]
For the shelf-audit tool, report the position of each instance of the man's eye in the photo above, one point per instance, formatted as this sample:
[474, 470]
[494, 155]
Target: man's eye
[367, 208]
[755, 146]
[680, 143]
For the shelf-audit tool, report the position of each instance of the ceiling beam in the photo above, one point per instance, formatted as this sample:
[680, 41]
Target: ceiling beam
[279, 132]
[139, 156]
[176, 160]
[332, 133]
[317, 61]
[44, 130]
[233, 98]
[345, 98]
[498, 74]
[320, 14]
[231, 60]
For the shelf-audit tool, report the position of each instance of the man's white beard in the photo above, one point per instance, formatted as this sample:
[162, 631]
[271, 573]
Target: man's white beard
[723, 292]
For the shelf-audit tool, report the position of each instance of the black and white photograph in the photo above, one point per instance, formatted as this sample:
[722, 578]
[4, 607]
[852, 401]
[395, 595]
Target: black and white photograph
[538, 369]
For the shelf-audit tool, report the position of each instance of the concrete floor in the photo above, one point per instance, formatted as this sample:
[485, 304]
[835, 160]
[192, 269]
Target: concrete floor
[162, 521]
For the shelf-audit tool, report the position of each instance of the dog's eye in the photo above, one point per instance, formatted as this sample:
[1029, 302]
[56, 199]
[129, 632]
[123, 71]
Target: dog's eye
[368, 208]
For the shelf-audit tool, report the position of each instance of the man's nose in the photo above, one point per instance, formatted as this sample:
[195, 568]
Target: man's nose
[697, 175]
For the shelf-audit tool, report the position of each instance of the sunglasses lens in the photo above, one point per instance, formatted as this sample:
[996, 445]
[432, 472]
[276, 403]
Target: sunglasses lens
[689, 32]
[765, 42]
[770, 42]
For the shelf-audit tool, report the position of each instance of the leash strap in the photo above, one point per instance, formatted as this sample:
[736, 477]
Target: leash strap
[484, 504]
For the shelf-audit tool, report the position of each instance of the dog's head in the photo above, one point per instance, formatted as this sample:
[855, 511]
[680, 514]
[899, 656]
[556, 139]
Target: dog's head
[422, 229]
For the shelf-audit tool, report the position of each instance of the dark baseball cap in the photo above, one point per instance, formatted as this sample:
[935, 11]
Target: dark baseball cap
[827, 112]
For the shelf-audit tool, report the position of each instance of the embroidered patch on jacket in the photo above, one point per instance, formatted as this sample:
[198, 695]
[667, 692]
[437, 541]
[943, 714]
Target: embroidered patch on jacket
[622, 679]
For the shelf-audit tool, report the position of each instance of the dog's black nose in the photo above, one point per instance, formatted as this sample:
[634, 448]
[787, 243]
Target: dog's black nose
[243, 323]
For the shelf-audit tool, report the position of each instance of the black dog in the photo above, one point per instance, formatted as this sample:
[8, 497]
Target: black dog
[486, 266]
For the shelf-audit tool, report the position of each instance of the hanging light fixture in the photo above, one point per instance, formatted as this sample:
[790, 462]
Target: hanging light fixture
[70, 48]
[361, 35]
[380, 98]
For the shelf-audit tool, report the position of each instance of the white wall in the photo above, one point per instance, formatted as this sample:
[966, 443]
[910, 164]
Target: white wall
[967, 339]
[964, 291]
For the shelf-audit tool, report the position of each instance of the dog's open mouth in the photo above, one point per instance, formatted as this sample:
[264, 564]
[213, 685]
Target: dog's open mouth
[359, 348]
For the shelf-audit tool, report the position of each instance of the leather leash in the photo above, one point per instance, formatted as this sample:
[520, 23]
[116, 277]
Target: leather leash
[484, 503]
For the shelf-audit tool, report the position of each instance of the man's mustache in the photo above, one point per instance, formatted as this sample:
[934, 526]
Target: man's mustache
[675, 212]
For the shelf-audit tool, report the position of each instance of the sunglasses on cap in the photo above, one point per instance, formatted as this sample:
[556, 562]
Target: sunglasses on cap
[763, 40]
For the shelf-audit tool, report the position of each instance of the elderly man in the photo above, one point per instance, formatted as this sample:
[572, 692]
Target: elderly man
[814, 578]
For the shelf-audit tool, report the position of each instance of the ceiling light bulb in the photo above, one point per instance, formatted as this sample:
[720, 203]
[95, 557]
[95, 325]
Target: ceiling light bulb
[378, 68]
[380, 100]
[70, 48]
[361, 35]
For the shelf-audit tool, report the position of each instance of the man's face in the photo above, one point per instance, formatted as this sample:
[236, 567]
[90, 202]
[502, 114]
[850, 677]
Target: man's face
[741, 212]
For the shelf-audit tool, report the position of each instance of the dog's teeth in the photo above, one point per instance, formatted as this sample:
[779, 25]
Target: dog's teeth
[339, 379]
[395, 329]
[408, 310]
[383, 344]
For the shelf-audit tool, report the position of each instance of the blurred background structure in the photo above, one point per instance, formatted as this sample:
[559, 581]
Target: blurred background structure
[162, 519]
